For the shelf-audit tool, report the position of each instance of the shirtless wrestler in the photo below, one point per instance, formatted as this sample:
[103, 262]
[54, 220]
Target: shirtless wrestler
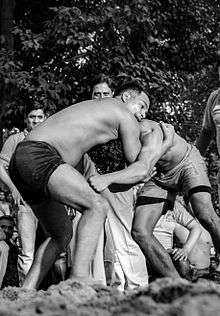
[43, 169]
[180, 169]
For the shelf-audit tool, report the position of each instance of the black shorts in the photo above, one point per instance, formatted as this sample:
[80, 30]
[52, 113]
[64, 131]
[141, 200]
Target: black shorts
[30, 167]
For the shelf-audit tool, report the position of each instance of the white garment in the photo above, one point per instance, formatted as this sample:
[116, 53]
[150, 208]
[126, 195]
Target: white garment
[27, 226]
[129, 261]
[4, 250]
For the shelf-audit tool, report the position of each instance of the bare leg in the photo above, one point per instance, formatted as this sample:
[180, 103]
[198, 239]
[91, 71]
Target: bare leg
[146, 217]
[56, 222]
[77, 193]
[68, 186]
[204, 211]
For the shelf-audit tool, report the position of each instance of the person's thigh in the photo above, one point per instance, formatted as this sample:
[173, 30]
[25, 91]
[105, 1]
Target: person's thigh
[68, 186]
[146, 216]
[152, 202]
[194, 177]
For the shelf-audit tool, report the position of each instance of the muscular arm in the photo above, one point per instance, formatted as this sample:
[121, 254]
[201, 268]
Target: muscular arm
[153, 148]
[193, 236]
[129, 133]
[5, 178]
[204, 140]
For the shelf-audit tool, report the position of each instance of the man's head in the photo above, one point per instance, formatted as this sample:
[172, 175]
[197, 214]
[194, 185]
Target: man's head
[7, 225]
[34, 117]
[135, 98]
[102, 88]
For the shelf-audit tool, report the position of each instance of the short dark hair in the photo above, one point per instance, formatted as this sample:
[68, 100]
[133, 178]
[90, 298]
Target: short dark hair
[32, 107]
[8, 217]
[130, 85]
[102, 78]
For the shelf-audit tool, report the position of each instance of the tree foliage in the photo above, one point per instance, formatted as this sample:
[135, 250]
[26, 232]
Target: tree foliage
[60, 47]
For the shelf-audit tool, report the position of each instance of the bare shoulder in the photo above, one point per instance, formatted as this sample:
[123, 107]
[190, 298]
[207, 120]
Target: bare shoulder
[147, 126]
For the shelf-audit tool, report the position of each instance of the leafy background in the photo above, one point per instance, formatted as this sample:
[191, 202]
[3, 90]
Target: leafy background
[59, 47]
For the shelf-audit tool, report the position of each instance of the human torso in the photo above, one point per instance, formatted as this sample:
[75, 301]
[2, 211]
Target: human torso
[76, 129]
[174, 155]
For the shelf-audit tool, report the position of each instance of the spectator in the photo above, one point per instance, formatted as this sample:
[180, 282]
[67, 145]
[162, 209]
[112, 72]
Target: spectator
[193, 242]
[210, 129]
[8, 253]
[4, 205]
[26, 220]
[102, 88]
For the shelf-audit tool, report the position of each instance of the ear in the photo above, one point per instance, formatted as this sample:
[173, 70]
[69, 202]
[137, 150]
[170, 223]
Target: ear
[126, 95]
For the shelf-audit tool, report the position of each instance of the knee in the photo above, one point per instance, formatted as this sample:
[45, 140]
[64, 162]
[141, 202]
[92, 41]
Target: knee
[100, 206]
[141, 234]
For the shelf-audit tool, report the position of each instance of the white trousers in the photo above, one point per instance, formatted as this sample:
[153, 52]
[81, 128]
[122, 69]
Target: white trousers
[130, 270]
[4, 249]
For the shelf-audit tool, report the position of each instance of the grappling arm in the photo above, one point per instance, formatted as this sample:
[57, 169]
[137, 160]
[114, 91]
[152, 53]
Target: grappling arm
[5, 178]
[154, 146]
[190, 242]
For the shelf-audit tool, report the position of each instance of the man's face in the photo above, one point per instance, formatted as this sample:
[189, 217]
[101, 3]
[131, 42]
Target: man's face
[8, 227]
[34, 118]
[101, 90]
[138, 105]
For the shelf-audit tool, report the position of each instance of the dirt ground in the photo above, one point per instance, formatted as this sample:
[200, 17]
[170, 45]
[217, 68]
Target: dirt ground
[163, 297]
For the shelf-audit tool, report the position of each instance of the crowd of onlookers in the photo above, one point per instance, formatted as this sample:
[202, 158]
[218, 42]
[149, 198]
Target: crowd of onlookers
[118, 261]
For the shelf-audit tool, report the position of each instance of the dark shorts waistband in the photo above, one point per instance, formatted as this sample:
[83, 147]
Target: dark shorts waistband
[30, 168]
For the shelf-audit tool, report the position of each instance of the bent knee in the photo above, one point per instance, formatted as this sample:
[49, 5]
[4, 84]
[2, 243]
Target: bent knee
[140, 234]
[100, 205]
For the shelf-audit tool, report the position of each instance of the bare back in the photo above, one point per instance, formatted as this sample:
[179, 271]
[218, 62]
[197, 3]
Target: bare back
[174, 155]
[76, 129]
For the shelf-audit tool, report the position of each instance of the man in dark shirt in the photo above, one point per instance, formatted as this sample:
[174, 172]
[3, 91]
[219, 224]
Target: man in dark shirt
[10, 253]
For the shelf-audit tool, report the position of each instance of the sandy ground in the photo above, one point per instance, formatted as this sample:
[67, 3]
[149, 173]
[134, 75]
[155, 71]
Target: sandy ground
[163, 297]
